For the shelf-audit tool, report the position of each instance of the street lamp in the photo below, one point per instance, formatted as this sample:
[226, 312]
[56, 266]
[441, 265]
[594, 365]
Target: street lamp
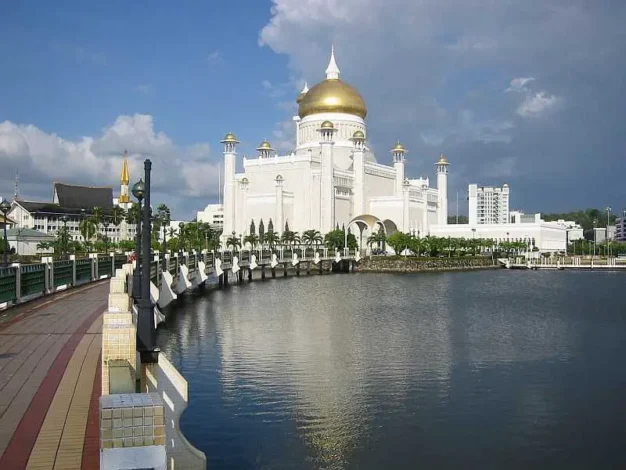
[181, 236]
[166, 222]
[106, 223]
[139, 189]
[595, 237]
[146, 328]
[64, 220]
[5, 207]
[608, 221]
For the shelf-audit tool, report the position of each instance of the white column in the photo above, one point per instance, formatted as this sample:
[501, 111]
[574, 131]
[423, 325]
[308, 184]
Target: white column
[328, 189]
[399, 167]
[406, 191]
[424, 230]
[279, 223]
[359, 175]
[230, 155]
[244, 223]
[442, 191]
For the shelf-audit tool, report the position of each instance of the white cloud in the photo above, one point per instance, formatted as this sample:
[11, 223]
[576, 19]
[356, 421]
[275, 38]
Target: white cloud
[519, 84]
[537, 104]
[178, 172]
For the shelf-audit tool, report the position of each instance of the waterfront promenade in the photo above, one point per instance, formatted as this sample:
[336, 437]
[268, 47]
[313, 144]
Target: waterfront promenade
[50, 380]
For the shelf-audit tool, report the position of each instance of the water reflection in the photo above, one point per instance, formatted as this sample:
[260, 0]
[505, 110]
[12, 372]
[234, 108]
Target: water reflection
[370, 371]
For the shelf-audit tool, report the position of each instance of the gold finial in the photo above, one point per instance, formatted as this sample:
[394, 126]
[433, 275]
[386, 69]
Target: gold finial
[327, 125]
[125, 173]
[358, 136]
[442, 160]
[265, 145]
[230, 138]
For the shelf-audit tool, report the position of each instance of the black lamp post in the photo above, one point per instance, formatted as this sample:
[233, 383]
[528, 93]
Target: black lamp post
[64, 220]
[181, 235]
[139, 189]
[5, 207]
[106, 223]
[166, 222]
[146, 328]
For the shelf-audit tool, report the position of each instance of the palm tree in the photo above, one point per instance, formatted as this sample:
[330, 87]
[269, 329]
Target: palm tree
[234, 242]
[87, 228]
[271, 239]
[98, 217]
[133, 216]
[42, 246]
[312, 237]
[252, 239]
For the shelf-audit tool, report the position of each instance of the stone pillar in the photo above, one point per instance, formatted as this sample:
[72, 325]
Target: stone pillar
[243, 210]
[424, 230]
[73, 259]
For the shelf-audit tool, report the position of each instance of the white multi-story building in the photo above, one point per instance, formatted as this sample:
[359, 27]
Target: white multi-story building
[70, 204]
[213, 214]
[332, 178]
[488, 204]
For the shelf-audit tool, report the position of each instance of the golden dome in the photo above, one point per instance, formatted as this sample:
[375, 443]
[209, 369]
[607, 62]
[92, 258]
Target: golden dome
[265, 145]
[327, 125]
[230, 138]
[358, 135]
[332, 96]
[398, 148]
[442, 160]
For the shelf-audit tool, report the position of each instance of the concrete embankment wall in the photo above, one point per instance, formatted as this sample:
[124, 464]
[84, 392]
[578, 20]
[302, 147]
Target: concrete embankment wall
[395, 264]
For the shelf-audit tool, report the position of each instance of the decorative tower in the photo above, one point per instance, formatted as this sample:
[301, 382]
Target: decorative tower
[358, 165]
[230, 161]
[399, 157]
[327, 204]
[265, 149]
[442, 190]
[279, 201]
[243, 201]
[124, 180]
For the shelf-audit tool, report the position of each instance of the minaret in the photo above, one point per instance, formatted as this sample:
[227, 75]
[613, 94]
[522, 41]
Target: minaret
[442, 190]
[265, 149]
[399, 157]
[327, 205]
[230, 161]
[125, 180]
[332, 71]
[358, 165]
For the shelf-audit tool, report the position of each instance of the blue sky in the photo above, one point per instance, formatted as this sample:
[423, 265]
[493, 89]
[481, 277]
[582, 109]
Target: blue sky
[524, 92]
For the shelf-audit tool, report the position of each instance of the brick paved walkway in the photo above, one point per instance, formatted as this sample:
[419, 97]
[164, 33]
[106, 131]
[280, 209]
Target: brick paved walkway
[50, 382]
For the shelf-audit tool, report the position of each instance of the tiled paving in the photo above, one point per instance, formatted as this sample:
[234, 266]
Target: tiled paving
[50, 383]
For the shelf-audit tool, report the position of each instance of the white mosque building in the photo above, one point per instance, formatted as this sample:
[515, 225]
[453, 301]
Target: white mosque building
[332, 178]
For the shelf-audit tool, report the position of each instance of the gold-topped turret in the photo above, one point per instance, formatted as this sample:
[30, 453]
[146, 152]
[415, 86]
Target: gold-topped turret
[399, 148]
[442, 160]
[230, 138]
[265, 145]
[327, 125]
[125, 178]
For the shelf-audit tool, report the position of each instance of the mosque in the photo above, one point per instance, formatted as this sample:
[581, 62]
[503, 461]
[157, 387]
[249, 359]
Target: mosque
[332, 177]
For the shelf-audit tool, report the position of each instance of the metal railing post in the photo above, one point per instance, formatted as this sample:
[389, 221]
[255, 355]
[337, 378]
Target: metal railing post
[18, 282]
[73, 260]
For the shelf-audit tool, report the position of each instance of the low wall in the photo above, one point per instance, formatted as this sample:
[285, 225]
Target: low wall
[396, 264]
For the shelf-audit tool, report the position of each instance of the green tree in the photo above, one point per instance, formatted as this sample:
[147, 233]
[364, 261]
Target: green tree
[234, 242]
[312, 237]
[252, 239]
[399, 242]
[87, 228]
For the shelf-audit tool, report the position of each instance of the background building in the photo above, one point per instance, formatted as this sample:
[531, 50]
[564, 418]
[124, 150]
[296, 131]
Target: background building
[75, 203]
[488, 204]
[213, 214]
[620, 229]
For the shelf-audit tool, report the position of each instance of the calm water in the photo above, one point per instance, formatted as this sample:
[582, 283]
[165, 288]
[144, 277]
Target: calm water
[491, 369]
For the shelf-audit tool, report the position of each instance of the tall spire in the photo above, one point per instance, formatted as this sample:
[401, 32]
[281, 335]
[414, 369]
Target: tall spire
[125, 179]
[332, 71]
[306, 88]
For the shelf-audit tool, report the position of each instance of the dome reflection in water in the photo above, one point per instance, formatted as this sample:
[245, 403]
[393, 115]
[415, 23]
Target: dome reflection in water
[491, 369]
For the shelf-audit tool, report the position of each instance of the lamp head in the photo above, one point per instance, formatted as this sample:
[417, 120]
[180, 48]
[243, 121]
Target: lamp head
[5, 206]
[139, 190]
